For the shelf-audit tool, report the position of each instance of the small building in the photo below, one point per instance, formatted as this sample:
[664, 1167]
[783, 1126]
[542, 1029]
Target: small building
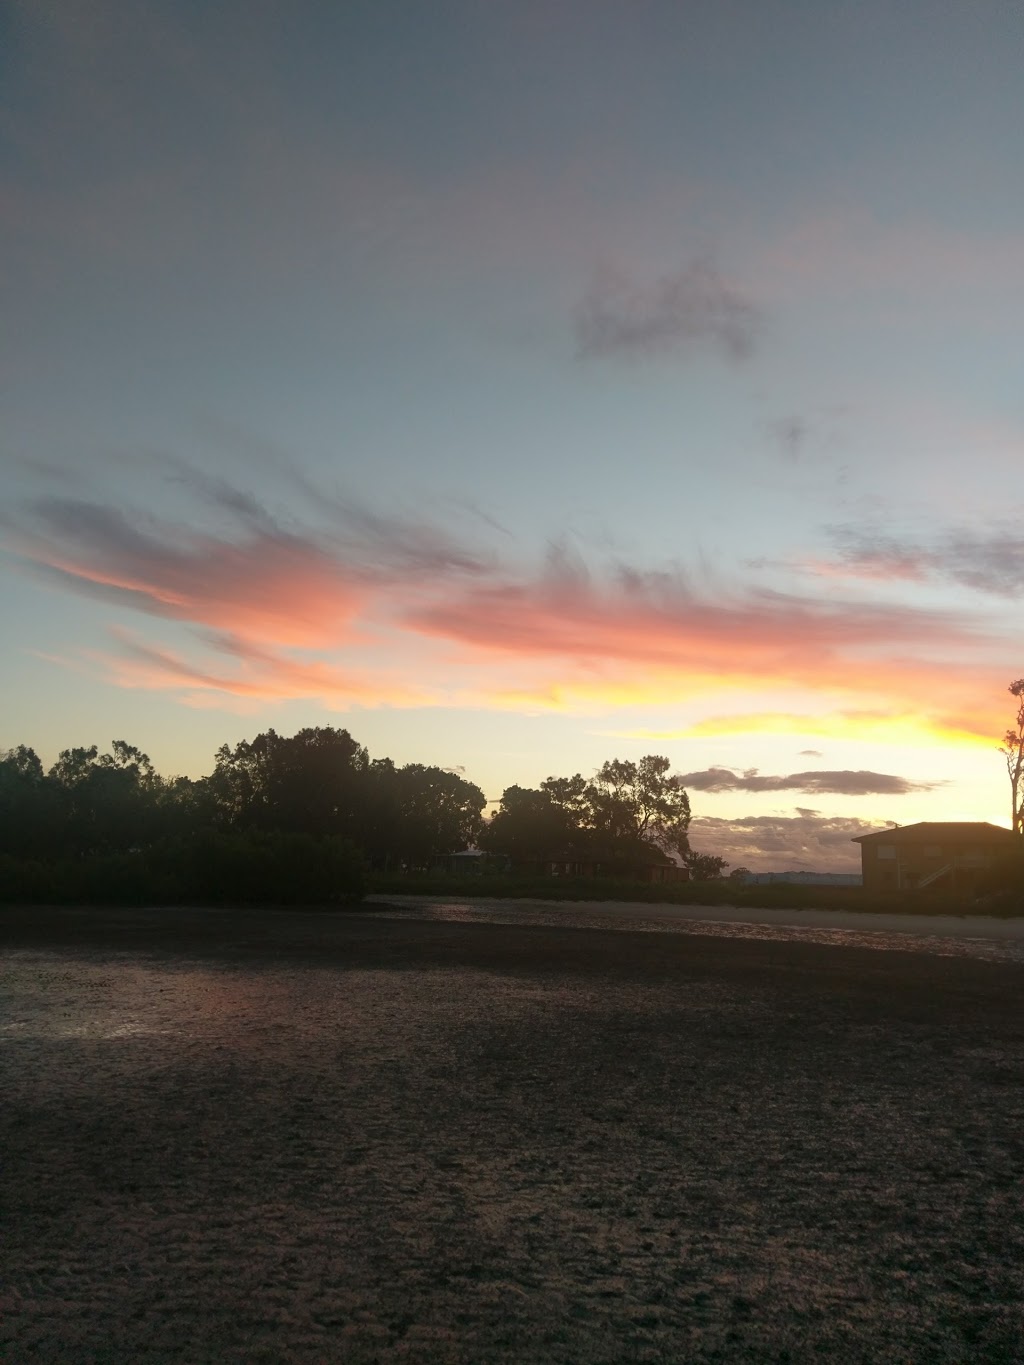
[648, 864]
[942, 856]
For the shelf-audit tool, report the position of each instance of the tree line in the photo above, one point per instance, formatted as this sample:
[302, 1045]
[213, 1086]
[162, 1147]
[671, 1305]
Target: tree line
[300, 819]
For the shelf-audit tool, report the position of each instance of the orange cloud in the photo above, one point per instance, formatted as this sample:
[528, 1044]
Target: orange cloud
[892, 727]
[258, 675]
[386, 602]
[653, 640]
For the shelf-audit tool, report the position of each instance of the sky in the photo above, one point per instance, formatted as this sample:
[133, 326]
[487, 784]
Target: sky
[523, 385]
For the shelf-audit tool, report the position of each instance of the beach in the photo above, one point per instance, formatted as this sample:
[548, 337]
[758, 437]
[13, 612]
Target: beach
[385, 1134]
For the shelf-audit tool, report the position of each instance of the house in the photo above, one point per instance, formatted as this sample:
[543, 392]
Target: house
[941, 856]
[647, 864]
[469, 862]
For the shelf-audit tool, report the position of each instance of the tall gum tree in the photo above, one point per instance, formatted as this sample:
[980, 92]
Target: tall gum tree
[1012, 749]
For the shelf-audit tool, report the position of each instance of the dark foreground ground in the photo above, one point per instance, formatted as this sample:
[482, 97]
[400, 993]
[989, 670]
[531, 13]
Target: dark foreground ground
[277, 1137]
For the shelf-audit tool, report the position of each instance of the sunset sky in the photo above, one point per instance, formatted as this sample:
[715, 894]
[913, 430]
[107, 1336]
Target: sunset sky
[521, 385]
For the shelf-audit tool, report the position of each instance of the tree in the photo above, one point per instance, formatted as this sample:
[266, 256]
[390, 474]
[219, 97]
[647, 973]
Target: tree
[308, 783]
[529, 824]
[27, 809]
[1012, 749]
[416, 813]
[705, 867]
[106, 801]
[641, 801]
[618, 818]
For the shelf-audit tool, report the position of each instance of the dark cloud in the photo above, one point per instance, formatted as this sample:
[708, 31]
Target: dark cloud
[810, 753]
[844, 782]
[617, 319]
[989, 560]
[788, 434]
[807, 841]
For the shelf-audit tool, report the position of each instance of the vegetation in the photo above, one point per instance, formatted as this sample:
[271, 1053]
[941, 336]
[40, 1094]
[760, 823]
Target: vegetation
[1012, 749]
[628, 816]
[279, 820]
[300, 819]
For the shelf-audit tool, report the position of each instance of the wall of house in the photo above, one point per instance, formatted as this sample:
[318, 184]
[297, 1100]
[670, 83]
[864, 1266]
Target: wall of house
[904, 866]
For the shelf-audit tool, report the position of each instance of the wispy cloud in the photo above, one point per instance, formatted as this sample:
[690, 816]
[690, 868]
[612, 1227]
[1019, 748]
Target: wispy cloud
[617, 319]
[250, 675]
[788, 435]
[297, 585]
[659, 625]
[989, 560]
[955, 716]
[844, 782]
[361, 586]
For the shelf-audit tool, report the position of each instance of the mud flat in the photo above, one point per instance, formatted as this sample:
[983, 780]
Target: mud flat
[237, 1136]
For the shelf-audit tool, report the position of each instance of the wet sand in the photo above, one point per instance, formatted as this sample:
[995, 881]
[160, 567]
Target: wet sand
[239, 1136]
[968, 925]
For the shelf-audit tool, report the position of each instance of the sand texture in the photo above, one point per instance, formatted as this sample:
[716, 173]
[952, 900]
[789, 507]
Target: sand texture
[312, 1137]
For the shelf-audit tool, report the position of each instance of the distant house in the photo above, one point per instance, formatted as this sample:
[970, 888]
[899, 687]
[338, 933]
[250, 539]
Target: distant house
[640, 871]
[648, 864]
[944, 856]
[800, 878]
[469, 862]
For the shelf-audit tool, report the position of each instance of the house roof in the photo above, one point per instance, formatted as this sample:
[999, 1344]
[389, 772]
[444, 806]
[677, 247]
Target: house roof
[934, 831]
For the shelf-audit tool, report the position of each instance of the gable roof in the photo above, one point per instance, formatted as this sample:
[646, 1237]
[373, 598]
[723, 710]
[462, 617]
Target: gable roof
[936, 831]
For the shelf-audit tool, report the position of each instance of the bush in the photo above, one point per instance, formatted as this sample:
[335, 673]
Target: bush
[274, 869]
[255, 869]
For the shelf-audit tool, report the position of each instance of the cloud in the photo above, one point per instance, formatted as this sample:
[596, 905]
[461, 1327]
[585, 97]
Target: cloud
[811, 753]
[806, 841]
[845, 782]
[656, 627]
[989, 561]
[369, 589]
[788, 434]
[619, 320]
[297, 586]
[251, 675]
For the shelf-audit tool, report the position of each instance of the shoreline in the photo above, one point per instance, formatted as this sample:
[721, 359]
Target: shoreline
[932, 926]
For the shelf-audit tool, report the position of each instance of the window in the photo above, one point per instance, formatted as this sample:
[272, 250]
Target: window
[886, 851]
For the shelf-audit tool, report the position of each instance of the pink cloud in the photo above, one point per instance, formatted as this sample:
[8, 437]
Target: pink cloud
[252, 675]
[387, 602]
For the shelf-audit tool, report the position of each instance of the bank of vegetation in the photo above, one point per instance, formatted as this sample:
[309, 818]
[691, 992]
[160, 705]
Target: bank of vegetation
[312, 819]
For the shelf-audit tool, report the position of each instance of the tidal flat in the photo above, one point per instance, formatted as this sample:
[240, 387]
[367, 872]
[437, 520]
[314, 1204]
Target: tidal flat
[360, 1136]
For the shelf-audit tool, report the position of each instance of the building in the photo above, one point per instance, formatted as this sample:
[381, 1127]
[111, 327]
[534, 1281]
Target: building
[939, 856]
[798, 878]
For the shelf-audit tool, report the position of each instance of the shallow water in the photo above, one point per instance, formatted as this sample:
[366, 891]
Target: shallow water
[985, 939]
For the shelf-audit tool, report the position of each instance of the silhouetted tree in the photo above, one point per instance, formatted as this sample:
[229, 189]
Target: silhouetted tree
[27, 809]
[642, 801]
[104, 802]
[530, 824]
[705, 867]
[618, 818]
[1012, 749]
[307, 783]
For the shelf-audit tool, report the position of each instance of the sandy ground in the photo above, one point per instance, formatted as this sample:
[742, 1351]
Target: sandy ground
[339, 1137]
[940, 926]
